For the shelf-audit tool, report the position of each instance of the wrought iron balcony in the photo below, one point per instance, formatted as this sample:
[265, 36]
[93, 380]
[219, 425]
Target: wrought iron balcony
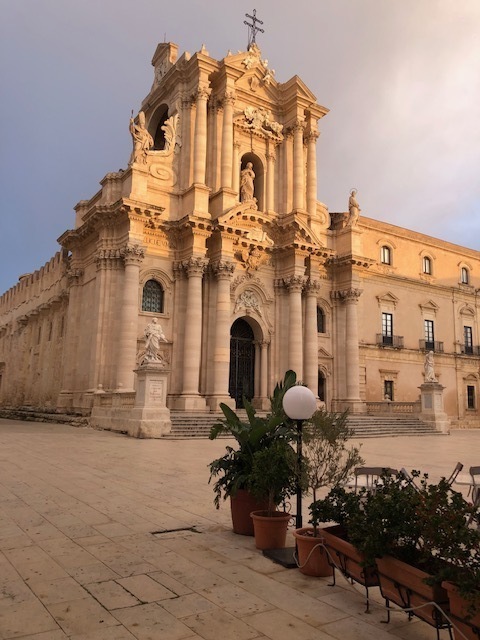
[470, 350]
[426, 345]
[389, 341]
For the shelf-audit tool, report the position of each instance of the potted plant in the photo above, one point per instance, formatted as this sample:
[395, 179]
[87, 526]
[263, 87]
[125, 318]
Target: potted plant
[418, 535]
[327, 462]
[274, 478]
[344, 508]
[233, 471]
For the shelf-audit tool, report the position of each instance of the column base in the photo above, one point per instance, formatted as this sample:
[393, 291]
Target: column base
[353, 406]
[222, 201]
[214, 403]
[188, 403]
[195, 200]
[261, 404]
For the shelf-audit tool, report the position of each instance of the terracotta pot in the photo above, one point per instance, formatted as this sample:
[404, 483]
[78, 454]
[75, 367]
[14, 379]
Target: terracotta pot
[242, 504]
[458, 611]
[311, 555]
[347, 558]
[404, 585]
[270, 530]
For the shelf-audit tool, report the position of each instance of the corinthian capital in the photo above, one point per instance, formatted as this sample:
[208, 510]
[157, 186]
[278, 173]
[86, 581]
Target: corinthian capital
[132, 254]
[203, 93]
[195, 266]
[349, 295]
[295, 283]
[229, 98]
[223, 269]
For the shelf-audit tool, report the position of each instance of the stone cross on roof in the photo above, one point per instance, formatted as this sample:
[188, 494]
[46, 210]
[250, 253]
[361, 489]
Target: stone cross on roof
[252, 28]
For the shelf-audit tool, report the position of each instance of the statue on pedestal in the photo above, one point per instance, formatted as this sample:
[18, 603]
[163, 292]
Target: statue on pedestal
[154, 336]
[428, 368]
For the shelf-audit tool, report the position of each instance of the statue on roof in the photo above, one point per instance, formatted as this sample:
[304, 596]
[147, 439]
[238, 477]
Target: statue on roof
[142, 140]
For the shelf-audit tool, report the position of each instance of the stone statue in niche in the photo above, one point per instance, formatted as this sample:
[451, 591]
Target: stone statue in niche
[247, 177]
[353, 209]
[142, 140]
[429, 368]
[154, 336]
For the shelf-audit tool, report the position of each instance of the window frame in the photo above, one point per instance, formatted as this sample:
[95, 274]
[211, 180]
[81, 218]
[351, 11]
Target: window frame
[464, 275]
[385, 255]
[161, 289]
[471, 397]
[427, 265]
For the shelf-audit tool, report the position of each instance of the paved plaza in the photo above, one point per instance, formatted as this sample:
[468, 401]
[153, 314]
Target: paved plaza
[87, 550]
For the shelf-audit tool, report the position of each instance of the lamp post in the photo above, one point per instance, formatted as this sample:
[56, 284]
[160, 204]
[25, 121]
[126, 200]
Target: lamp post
[299, 403]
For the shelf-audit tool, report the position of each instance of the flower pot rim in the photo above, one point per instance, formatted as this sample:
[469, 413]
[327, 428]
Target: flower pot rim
[264, 513]
[298, 533]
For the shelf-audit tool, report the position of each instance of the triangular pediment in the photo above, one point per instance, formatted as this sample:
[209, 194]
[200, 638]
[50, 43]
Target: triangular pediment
[388, 298]
[429, 306]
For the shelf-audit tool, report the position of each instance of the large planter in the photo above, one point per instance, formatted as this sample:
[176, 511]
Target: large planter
[404, 585]
[270, 530]
[311, 555]
[469, 627]
[345, 557]
[242, 504]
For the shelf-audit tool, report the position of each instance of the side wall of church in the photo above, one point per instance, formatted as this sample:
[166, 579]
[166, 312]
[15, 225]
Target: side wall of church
[33, 318]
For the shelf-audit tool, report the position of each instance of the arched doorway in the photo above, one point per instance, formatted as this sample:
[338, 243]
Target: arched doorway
[242, 362]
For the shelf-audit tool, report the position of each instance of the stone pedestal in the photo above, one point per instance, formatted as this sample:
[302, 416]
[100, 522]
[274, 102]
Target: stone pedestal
[432, 406]
[150, 417]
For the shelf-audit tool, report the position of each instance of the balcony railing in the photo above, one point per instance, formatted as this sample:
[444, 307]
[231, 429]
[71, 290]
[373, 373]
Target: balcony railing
[470, 350]
[390, 341]
[426, 345]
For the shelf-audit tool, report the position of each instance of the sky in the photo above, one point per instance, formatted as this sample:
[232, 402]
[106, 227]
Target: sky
[401, 79]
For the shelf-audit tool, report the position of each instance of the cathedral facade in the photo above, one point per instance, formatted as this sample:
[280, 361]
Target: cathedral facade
[214, 233]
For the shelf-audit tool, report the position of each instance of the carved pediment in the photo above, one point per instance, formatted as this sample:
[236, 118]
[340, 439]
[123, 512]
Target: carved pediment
[260, 122]
[388, 299]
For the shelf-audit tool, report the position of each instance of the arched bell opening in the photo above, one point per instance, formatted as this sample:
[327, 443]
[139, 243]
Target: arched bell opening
[155, 127]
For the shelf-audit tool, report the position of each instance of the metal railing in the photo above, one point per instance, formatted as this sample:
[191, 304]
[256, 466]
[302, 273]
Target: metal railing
[389, 341]
[470, 350]
[426, 345]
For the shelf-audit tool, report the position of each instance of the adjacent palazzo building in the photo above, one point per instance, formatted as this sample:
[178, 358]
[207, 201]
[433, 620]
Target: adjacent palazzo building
[214, 228]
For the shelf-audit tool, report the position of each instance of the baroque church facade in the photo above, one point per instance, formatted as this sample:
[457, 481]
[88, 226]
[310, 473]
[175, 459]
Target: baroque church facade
[214, 229]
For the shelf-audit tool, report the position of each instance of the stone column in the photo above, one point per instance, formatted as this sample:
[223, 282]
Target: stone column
[194, 268]
[352, 360]
[270, 180]
[295, 285]
[221, 355]
[236, 168]
[264, 371]
[227, 140]
[200, 138]
[65, 397]
[311, 337]
[127, 344]
[298, 166]
[312, 173]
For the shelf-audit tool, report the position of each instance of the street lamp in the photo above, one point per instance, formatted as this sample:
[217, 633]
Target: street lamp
[299, 403]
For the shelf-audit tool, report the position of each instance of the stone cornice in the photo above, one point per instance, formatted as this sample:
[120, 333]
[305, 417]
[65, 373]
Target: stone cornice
[350, 260]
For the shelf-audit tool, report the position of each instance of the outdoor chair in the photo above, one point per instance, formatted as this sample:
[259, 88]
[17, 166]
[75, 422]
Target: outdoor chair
[470, 480]
[368, 478]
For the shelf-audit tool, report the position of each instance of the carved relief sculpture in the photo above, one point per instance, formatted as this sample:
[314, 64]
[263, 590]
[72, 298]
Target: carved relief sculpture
[142, 140]
[247, 300]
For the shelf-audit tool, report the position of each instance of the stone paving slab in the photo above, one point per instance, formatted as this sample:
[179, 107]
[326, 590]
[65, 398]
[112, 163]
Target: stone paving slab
[87, 550]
